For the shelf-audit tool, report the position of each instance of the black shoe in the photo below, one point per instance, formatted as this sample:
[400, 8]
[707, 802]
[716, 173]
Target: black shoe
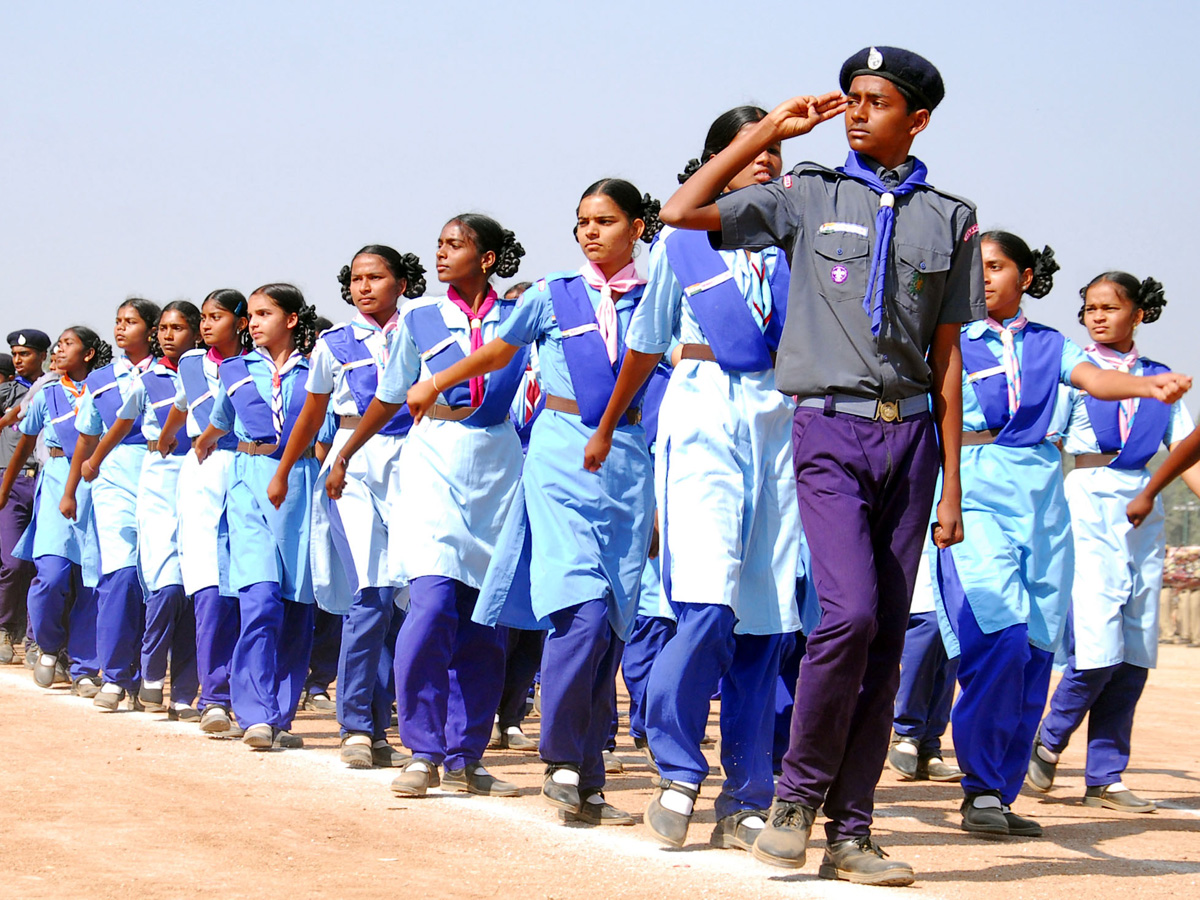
[32, 652]
[602, 813]
[988, 820]
[731, 834]
[473, 778]
[215, 720]
[642, 745]
[1123, 801]
[906, 765]
[862, 861]
[937, 769]
[62, 675]
[7, 651]
[1040, 776]
[86, 686]
[385, 756]
[318, 700]
[152, 698]
[285, 740]
[665, 824]
[259, 737]
[612, 763]
[784, 842]
[109, 701]
[44, 669]
[516, 740]
[1019, 826]
[417, 777]
[560, 796]
[182, 714]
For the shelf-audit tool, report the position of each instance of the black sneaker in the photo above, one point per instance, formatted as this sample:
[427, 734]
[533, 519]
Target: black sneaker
[1040, 776]
[784, 842]
[601, 813]
[862, 861]
[473, 778]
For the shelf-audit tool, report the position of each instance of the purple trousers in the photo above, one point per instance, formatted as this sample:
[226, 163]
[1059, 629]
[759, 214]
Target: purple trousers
[364, 676]
[62, 614]
[326, 651]
[171, 633]
[866, 490]
[523, 657]
[270, 659]
[217, 626]
[449, 673]
[650, 635]
[15, 574]
[120, 616]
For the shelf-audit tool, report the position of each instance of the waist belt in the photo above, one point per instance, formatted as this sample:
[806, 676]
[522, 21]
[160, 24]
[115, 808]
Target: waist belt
[55, 452]
[884, 410]
[29, 470]
[253, 448]
[444, 413]
[563, 405]
[978, 438]
[1093, 460]
[703, 352]
[152, 446]
[350, 422]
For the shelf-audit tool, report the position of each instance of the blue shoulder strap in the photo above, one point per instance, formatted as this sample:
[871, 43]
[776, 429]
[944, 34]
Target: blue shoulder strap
[1041, 359]
[656, 389]
[253, 410]
[439, 350]
[780, 281]
[106, 394]
[362, 375]
[727, 323]
[196, 386]
[62, 417]
[1147, 433]
[160, 390]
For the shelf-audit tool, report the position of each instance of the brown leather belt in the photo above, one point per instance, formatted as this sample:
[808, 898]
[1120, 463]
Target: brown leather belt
[1093, 460]
[252, 448]
[444, 413]
[978, 438]
[701, 352]
[563, 405]
[55, 452]
[350, 422]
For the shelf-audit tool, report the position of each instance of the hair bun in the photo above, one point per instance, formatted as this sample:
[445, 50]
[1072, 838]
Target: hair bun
[650, 211]
[1044, 267]
[414, 275]
[343, 278]
[508, 260]
[692, 167]
[104, 354]
[1151, 299]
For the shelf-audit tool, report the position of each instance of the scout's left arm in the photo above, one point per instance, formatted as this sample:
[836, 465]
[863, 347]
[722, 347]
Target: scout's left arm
[945, 362]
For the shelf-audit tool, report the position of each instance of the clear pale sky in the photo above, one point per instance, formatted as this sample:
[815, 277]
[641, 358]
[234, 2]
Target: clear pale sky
[170, 149]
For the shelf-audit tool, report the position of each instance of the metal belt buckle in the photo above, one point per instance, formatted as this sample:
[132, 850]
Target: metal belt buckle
[633, 416]
[888, 410]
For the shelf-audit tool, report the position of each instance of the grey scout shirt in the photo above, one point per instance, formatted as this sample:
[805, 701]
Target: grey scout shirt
[825, 221]
[11, 393]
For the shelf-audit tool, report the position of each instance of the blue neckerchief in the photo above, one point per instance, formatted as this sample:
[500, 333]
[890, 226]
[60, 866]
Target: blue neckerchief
[23, 381]
[885, 221]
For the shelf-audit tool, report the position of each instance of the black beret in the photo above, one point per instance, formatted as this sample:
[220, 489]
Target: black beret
[6, 366]
[31, 338]
[901, 67]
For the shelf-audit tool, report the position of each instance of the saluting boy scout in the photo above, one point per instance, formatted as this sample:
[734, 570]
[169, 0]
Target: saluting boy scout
[885, 269]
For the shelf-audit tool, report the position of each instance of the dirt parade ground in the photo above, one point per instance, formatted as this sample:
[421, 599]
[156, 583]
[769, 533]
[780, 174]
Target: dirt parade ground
[130, 806]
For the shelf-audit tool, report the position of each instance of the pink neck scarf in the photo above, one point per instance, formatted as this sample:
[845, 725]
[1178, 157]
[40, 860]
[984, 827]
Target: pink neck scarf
[476, 320]
[1121, 362]
[1012, 369]
[606, 313]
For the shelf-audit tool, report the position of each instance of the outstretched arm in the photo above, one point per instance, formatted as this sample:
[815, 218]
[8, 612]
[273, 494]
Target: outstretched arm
[1105, 384]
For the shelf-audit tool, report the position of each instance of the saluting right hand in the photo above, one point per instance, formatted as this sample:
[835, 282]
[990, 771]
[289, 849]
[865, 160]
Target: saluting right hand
[800, 115]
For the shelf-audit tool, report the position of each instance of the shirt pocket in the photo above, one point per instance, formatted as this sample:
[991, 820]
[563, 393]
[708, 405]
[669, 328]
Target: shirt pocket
[921, 276]
[843, 261]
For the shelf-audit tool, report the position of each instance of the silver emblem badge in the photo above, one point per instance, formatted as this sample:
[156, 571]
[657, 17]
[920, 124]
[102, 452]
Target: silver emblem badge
[874, 59]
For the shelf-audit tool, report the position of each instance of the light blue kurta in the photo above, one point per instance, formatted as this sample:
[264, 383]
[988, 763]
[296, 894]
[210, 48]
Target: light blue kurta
[456, 481]
[49, 533]
[1118, 568]
[267, 544]
[1016, 561]
[203, 531]
[723, 473]
[349, 548]
[588, 532]
[157, 496]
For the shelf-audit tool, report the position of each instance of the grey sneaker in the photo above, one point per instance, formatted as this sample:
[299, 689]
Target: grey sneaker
[285, 740]
[86, 686]
[358, 754]
[612, 763]
[385, 756]
[862, 861]
[32, 652]
[319, 700]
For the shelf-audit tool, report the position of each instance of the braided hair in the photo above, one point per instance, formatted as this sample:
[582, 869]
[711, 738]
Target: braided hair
[1041, 262]
[290, 299]
[631, 201]
[102, 354]
[721, 134]
[234, 301]
[1146, 295]
[191, 315]
[404, 267]
[488, 234]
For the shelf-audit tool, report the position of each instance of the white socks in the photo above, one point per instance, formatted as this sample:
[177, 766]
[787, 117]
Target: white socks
[754, 822]
[513, 729]
[110, 688]
[987, 801]
[677, 802]
[47, 659]
[358, 739]
[905, 747]
[565, 776]
[420, 765]
[1116, 787]
[1048, 755]
[153, 685]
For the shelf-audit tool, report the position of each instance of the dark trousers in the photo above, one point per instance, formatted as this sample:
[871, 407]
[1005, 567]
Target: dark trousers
[865, 489]
[270, 659]
[326, 651]
[650, 635]
[218, 623]
[785, 697]
[120, 617]
[448, 674]
[366, 686]
[926, 685]
[15, 574]
[579, 690]
[62, 614]
[523, 657]
[171, 632]
[1108, 697]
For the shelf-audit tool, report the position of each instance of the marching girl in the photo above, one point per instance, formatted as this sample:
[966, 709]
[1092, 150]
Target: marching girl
[258, 398]
[727, 510]
[202, 533]
[350, 535]
[584, 537]
[1112, 631]
[1004, 591]
[60, 543]
[120, 613]
[457, 475]
[170, 628]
